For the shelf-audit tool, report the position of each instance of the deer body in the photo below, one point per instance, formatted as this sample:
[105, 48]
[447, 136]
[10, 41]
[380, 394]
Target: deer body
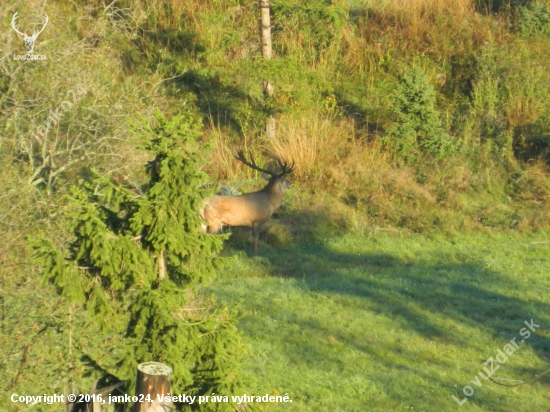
[252, 209]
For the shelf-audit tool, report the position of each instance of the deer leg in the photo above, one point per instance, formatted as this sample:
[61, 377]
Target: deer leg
[214, 227]
[213, 224]
[256, 234]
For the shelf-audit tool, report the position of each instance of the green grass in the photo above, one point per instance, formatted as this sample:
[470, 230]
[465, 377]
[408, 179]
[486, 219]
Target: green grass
[373, 322]
[349, 321]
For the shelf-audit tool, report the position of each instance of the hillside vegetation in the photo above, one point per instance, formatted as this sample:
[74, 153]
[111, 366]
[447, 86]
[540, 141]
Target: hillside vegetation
[415, 114]
[404, 118]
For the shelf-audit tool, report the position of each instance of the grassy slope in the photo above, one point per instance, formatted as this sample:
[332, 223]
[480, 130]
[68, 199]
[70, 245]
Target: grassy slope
[404, 324]
[390, 323]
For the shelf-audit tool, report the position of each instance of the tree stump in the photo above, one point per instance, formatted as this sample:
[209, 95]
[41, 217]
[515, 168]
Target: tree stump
[153, 383]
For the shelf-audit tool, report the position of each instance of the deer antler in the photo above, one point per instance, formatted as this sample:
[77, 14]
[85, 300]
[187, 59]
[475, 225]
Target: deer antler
[25, 35]
[35, 35]
[13, 21]
[252, 163]
[284, 168]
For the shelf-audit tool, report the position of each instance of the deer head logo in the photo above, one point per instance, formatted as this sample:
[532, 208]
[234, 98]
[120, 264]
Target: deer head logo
[29, 40]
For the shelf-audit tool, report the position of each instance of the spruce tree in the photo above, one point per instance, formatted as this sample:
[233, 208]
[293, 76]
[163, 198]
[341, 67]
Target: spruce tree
[136, 261]
[417, 128]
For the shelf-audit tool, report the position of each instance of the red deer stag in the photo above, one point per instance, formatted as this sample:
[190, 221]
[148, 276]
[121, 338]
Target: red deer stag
[251, 209]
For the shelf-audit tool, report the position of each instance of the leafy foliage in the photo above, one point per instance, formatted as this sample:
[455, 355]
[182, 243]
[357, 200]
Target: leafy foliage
[535, 19]
[323, 23]
[138, 257]
[417, 129]
[333, 71]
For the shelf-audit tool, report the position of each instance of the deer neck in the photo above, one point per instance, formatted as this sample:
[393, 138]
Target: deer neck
[274, 195]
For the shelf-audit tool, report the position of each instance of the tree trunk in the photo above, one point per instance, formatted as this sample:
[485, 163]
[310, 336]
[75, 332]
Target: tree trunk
[265, 27]
[153, 379]
[162, 266]
[271, 127]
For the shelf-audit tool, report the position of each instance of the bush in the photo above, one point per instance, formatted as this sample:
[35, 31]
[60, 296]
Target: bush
[535, 19]
[417, 129]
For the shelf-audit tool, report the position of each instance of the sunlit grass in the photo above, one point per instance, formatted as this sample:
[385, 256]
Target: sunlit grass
[388, 323]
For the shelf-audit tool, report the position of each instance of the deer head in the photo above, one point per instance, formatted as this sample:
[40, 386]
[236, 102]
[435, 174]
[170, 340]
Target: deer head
[275, 178]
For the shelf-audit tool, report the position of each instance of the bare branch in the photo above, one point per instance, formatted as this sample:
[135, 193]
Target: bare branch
[521, 382]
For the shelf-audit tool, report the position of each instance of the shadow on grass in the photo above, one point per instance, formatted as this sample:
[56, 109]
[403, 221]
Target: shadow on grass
[294, 244]
[532, 141]
[417, 295]
[495, 6]
[425, 296]
[360, 116]
[392, 286]
[226, 105]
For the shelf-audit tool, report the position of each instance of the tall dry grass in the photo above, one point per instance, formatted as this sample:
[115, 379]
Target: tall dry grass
[385, 34]
[416, 9]
[222, 162]
[312, 141]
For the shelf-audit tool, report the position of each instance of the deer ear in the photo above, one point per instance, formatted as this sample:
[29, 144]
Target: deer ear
[266, 176]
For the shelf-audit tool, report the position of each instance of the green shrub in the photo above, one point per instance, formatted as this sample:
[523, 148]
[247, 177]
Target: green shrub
[535, 19]
[417, 129]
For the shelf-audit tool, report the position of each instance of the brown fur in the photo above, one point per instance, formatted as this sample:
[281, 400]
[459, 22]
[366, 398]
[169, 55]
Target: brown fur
[251, 210]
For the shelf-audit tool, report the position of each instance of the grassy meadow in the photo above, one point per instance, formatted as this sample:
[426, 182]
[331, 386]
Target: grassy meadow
[371, 321]
[411, 247]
